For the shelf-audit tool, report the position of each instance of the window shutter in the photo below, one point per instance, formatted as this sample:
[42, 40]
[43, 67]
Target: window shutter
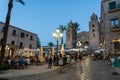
[112, 5]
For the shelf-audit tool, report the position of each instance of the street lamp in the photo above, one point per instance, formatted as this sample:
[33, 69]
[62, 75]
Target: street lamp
[79, 45]
[57, 35]
[86, 47]
[100, 46]
[7, 51]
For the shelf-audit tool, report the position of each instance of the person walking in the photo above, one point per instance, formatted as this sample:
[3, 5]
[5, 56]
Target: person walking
[69, 59]
[80, 57]
[60, 62]
[76, 57]
[50, 62]
[64, 60]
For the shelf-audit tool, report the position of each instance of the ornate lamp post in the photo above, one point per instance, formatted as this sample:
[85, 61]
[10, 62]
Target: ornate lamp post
[100, 46]
[86, 47]
[7, 51]
[57, 35]
[79, 45]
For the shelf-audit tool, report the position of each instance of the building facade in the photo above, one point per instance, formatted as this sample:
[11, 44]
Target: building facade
[83, 37]
[110, 25]
[94, 35]
[17, 39]
[70, 35]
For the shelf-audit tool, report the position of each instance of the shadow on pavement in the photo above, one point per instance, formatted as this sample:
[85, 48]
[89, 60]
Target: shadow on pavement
[3, 79]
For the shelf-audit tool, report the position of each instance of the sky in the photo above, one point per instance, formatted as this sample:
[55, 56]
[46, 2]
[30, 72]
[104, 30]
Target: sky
[43, 17]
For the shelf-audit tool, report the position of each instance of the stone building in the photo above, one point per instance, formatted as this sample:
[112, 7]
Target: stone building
[83, 37]
[94, 35]
[17, 39]
[70, 35]
[110, 25]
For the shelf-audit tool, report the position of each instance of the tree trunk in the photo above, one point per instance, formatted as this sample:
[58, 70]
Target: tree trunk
[61, 40]
[2, 56]
[75, 37]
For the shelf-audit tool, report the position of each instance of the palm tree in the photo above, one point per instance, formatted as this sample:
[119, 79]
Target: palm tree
[10, 5]
[50, 44]
[62, 29]
[75, 28]
[38, 42]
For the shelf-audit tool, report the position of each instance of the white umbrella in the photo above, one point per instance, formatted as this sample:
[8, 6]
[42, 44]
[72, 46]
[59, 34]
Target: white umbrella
[101, 50]
[62, 50]
[76, 50]
[41, 55]
[96, 51]
[53, 51]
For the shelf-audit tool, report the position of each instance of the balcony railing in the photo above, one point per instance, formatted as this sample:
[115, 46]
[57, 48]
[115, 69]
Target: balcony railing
[115, 28]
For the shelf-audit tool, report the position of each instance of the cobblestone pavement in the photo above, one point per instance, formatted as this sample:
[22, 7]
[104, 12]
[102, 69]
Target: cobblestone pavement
[87, 70]
[84, 70]
[20, 74]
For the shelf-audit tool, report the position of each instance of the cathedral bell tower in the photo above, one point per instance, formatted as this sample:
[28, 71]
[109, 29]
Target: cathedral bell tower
[70, 35]
[94, 36]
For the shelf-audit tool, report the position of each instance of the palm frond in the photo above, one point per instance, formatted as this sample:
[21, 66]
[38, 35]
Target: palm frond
[62, 28]
[21, 1]
[78, 29]
[76, 25]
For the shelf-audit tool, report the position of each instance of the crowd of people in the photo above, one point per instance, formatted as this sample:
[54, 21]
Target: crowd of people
[17, 62]
[61, 60]
[112, 59]
[20, 62]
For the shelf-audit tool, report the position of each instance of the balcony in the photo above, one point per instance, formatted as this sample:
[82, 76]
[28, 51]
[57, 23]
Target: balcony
[115, 28]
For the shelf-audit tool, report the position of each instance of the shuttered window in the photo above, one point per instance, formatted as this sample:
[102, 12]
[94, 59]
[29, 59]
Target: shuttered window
[112, 5]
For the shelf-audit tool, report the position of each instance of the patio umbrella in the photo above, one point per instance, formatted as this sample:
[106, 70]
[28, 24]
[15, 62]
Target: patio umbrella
[41, 55]
[101, 50]
[53, 51]
[62, 50]
[97, 51]
[28, 54]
